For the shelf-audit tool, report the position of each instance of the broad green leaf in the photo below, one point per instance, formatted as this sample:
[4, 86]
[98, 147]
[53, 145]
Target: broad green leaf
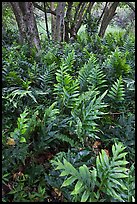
[63, 173]
[98, 164]
[85, 196]
[117, 163]
[118, 169]
[22, 139]
[119, 175]
[113, 193]
[69, 181]
[60, 165]
[113, 150]
[30, 94]
[102, 161]
[84, 173]
[69, 167]
[122, 155]
[94, 174]
[77, 188]
[118, 183]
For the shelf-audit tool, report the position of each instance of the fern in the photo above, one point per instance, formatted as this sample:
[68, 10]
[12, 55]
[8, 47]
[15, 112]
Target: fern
[130, 184]
[67, 89]
[47, 77]
[107, 177]
[50, 116]
[91, 75]
[18, 93]
[129, 49]
[85, 114]
[23, 124]
[110, 172]
[82, 179]
[66, 138]
[116, 64]
[69, 61]
[117, 91]
[47, 127]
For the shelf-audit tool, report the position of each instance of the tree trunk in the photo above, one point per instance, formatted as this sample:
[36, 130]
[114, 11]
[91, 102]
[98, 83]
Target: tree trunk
[67, 21]
[59, 35]
[20, 21]
[80, 13]
[108, 15]
[46, 21]
[53, 22]
[23, 12]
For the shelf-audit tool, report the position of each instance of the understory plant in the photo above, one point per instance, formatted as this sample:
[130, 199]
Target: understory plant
[108, 178]
[68, 127]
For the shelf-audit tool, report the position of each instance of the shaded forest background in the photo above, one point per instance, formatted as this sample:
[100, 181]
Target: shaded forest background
[68, 101]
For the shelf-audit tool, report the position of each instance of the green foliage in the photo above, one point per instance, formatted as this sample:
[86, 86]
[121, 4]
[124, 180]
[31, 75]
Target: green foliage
[58, 105]
[85, 113]
[117, 91]
[47, 126]
[91, 23]
[124, 131]
[107, 177]
[23, 124]
[117, 64]
[91, 75]
[67, 89]
[110, 172]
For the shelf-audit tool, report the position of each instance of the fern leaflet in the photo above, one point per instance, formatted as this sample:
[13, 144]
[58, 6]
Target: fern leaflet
[117, 90]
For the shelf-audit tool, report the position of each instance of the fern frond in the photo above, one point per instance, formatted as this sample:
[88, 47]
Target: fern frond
[47, 77]
[108, 177]
[117, 91]
[21, 93]
[65, 138]
[82, 177]
[67, 89]
[110, 171]
[91, 74]
[85, 114]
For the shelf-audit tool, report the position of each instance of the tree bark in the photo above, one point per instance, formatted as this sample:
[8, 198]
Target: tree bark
[24, 15]
[108, 15]
[49, 10]
[53, 22]
[104, 10]
[46, 21]
[20, 21]
[67, 21]
[59, 35]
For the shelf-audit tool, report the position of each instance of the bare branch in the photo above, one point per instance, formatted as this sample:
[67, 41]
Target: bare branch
[131, 6]
[42, 9]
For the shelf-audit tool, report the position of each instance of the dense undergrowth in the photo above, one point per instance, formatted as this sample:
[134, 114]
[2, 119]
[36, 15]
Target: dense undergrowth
[68, 125]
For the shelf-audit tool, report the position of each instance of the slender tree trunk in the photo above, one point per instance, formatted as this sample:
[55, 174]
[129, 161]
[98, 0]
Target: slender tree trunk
[20, 21]
[46, 21]
[26, 23]
[67, 21]
[104, 10]
[108, 15]
[59, 35]
[80, 12]
[80, 18]
[53, 22]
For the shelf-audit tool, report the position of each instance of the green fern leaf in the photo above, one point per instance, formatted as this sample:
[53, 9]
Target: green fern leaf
[90, 75]
[117, 91]
[68, 181]
[112, 171]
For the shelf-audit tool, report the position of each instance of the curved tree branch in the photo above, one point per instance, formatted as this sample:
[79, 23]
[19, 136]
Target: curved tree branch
[42, 9]
[131, 6]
